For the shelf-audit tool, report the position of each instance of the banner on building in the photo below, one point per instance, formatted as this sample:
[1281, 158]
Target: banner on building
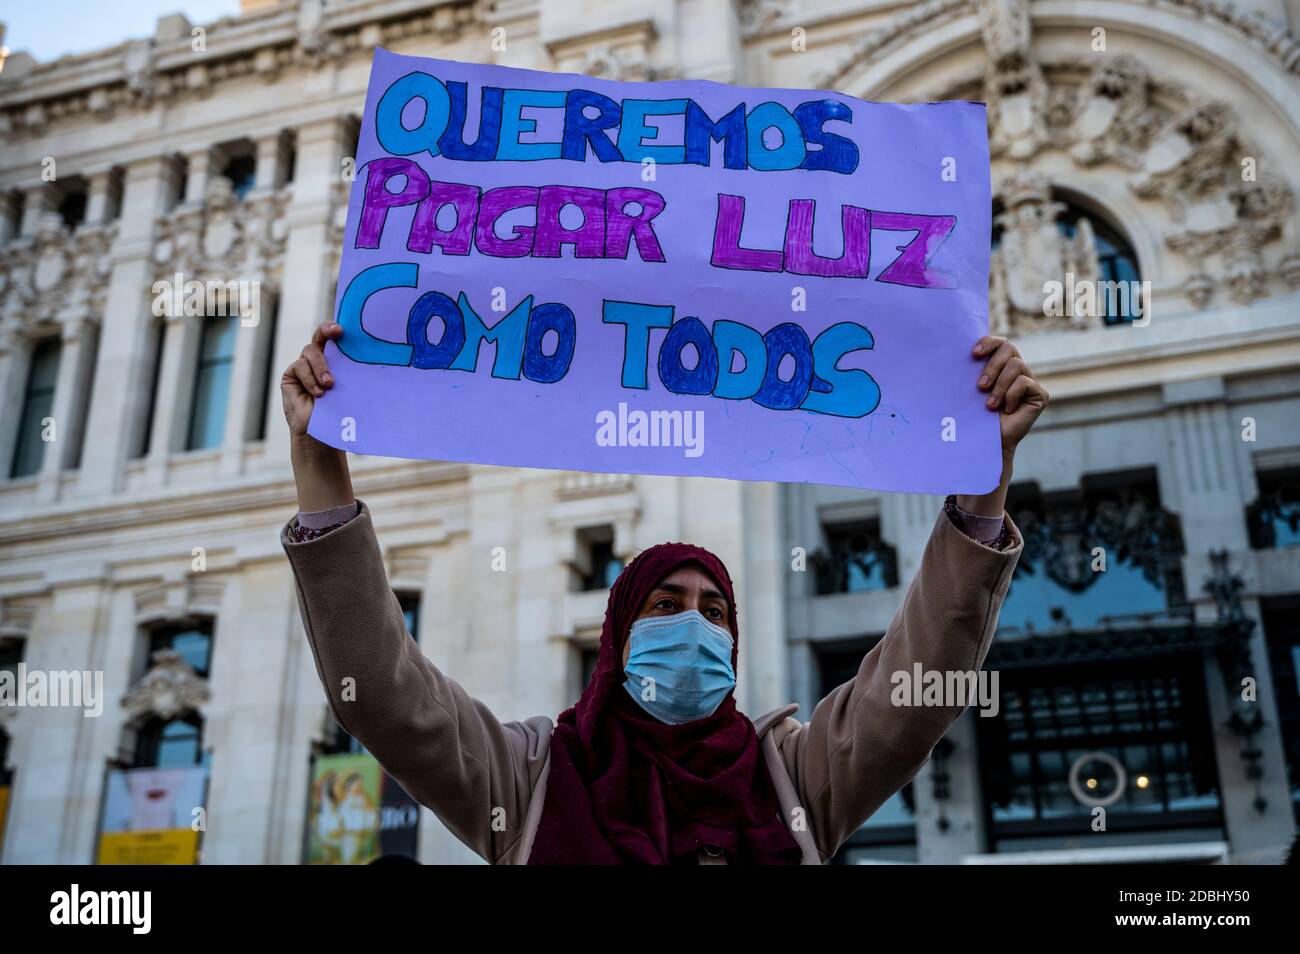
[152, 816]
[358, 813]
[682, 277]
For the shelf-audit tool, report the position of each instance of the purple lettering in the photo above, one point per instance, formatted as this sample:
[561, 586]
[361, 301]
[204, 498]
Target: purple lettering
[496, 203]
[378, 199]
[800, 258]
[621, 228]
[588, 239]
[424, 227]
[911, 266]
[727, 252]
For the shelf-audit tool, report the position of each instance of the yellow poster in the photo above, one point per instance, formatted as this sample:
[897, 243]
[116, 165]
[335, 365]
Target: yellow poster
[168, 847]
[152, 816]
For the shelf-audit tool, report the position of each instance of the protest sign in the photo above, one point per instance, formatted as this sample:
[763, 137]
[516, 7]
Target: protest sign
[681, 277]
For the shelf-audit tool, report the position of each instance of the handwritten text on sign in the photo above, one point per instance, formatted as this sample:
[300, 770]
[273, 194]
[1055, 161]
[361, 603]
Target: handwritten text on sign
[556, 271]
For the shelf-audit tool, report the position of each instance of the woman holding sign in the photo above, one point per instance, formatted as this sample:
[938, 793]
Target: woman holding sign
[654, 764]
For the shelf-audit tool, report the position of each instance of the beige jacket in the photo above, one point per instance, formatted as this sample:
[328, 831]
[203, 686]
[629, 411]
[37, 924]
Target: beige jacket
[486, 779]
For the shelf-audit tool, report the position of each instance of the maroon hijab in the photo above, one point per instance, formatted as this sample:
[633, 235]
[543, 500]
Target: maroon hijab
[625, 788]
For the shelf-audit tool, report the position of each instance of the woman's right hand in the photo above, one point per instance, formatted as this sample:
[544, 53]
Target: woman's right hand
[307, 379]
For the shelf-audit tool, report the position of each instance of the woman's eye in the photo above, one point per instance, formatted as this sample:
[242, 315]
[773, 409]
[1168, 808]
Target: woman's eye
[664, 603]
[714, 613]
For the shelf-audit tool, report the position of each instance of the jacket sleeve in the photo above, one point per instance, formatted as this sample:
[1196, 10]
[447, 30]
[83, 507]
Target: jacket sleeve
[859, 748]
[445, 748]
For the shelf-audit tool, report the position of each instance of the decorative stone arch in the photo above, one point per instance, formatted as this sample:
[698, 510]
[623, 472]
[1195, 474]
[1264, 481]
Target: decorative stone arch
[1170, 144]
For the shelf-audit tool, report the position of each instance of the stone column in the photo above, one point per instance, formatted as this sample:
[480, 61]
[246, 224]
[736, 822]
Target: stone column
[272, 160]
[964, 807]
[76, 360]
[246, 387]
[180, 346]
[56, 776]
[200, 166]
[120, 397]
[98, 193]
[307, 291]
[40, 199]
[1201, 479]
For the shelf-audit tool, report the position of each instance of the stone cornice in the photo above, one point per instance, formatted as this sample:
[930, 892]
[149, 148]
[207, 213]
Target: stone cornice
[205, 502]
[1271, 38]
[140, 72]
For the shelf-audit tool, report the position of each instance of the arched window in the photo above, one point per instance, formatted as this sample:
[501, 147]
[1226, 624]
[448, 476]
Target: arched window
[171, 743]
[1086, 245]
[1116, 260]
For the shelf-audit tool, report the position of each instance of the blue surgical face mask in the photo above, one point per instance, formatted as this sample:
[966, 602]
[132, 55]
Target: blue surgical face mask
[679, 667]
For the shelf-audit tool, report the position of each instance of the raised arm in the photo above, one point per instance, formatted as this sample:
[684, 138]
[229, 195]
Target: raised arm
[859, 747]
[444, 747]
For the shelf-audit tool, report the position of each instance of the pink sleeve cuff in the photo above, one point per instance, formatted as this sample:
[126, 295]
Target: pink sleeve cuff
[320, 519]
[985, 530]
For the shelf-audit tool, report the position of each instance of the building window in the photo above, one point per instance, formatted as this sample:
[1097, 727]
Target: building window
[1116, 261]
[1281, 618]
[1273, 519]
[212, 383]
[192, 640]
[1141, 735]
[855, 560]
[1084, 235]
[72, 208]
[410, 603]
[597, 567]
[174, 743]
[1094, 555]
[890, 833]
[38, 402]
[242, 173]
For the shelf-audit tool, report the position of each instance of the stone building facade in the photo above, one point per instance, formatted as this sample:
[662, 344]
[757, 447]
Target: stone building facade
[1132, 141]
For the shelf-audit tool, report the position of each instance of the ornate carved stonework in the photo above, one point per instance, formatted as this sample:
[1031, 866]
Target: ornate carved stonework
[1168, 144]
[1112, 116]
[757, 16]
[1260, 216]
[56, 276]
[1015, 90]
[1173, 147]
[1033, 251]
[1190, 156]
[1131, 527]
[170, 688]
[224, 238]
[611, 63]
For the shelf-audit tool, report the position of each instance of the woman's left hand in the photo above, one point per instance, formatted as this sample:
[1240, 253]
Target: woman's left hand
[1012, 388]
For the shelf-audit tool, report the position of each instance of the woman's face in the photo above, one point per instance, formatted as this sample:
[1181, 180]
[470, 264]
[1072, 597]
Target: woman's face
[686, 588]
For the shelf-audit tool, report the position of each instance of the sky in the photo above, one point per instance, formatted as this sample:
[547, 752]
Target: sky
[47, 29]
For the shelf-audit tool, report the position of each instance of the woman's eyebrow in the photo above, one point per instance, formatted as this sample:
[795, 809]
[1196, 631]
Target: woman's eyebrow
[678, 590]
